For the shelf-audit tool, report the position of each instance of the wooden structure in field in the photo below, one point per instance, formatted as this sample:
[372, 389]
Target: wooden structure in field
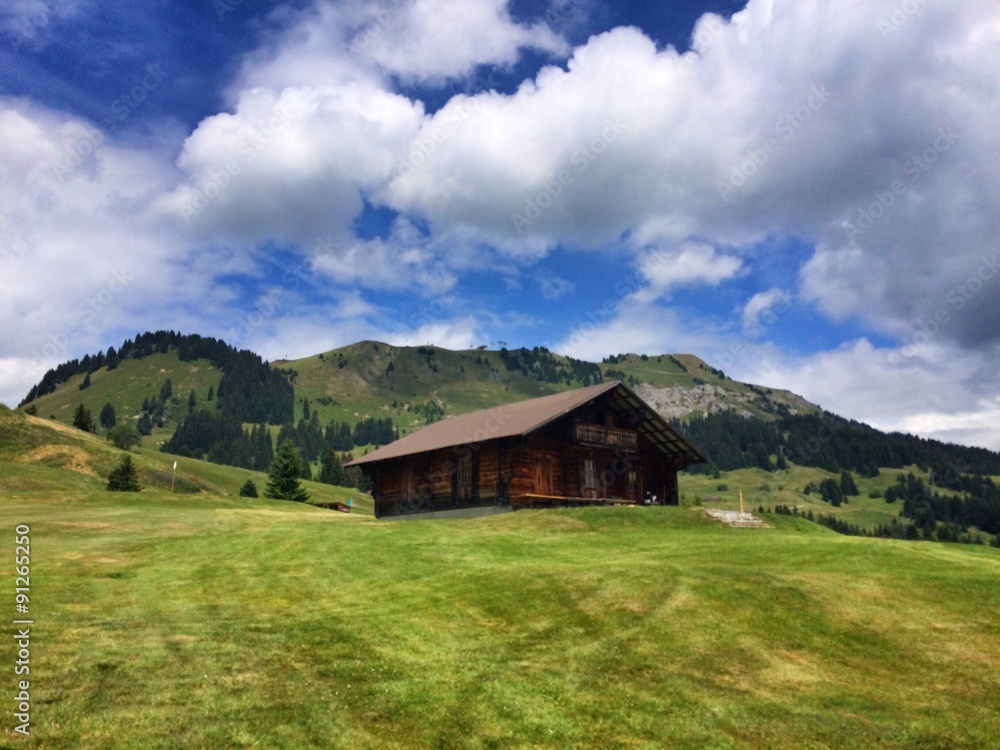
[596, 445]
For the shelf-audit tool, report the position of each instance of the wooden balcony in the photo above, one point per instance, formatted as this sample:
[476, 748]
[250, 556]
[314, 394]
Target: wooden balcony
[606, 437]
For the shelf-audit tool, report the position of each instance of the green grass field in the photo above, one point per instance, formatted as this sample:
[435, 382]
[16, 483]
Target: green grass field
[205, 620]
[761, 488]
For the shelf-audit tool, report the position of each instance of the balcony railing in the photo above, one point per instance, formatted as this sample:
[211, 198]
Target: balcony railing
[608, 437]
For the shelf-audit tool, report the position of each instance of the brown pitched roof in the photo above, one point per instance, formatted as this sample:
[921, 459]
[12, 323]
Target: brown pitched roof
[524, 417]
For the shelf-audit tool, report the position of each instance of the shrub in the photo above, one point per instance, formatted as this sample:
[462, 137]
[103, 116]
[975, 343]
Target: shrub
[124, 436]
[124, 477]
[249, 489]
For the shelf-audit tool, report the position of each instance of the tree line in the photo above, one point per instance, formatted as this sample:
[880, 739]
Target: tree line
[221, 438]
[825, 441]
[250, 390]
[541, 364]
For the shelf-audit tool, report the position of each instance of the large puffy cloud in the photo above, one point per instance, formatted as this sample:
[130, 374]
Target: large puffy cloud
[315, 127]
[420, 41]
[688, 265]
[937, 390]
[438, 39]
[291, 165]
[761, 310]
[86, 259]
[404, 260]
[789, 119]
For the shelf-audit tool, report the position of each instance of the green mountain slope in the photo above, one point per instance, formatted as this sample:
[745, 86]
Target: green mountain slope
[415, 385]
[42, 459]
[373, 379]
[126, 386]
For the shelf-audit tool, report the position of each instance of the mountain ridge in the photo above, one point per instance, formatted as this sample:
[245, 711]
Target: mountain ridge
[412, 386]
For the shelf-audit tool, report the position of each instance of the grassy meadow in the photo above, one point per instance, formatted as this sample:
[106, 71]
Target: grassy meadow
[204, 620]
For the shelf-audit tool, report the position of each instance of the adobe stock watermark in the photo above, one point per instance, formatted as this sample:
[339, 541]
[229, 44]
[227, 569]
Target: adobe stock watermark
[957, 298]
[425, 145]
[786, 127]
[57, 343]
[710, 28]
[292, 279]
[915, 168]
[581, 159]
[23, 620]
[455, 114]
[81, 148]
[223, 8]
[11, 246]
[27, 28]
[769, 315]
[213, 182]
[565, 15]
[385, 12]
[891, 22]
[602, 314]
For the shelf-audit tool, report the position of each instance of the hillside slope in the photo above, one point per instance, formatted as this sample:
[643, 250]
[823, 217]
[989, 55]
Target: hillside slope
[41, 459]
[410, 385]
[378, 380]
[131, 382]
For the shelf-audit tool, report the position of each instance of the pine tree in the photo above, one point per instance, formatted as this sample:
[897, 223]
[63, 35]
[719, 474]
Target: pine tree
[332, 470]
[283, 476]
[192, 401]
[211, 393]
[86, 382]
[124, 477]
[82, 419]
[249, 489]
[847, 485]
[108, 417]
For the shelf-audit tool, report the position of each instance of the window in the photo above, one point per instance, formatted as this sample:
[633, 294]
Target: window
[589, 475]
[465, 470]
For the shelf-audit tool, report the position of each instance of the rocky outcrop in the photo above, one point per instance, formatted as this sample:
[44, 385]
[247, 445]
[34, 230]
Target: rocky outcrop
[678, 401]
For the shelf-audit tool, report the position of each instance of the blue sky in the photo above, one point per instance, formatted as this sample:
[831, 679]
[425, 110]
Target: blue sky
[802, 193]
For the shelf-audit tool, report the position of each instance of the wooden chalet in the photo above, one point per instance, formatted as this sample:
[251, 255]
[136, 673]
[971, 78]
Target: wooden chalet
[596, 445]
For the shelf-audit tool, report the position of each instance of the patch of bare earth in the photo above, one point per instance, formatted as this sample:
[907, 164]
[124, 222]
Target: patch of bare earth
[738, 520]
[71, 458]
[53, 425]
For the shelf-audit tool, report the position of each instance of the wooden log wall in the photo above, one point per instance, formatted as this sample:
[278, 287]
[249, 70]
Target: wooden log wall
[538, 469]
